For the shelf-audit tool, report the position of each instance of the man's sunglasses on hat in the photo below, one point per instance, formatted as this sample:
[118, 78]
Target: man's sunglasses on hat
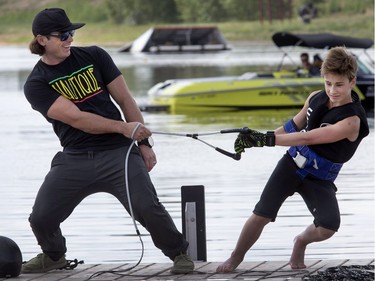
[63, 36]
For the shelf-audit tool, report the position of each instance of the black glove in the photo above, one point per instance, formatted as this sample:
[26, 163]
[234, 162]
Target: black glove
[253, 139]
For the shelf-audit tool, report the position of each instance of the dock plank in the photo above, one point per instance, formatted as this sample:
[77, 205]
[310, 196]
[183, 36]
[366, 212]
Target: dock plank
[325, 264]
[207, 270]
[359, 261]
[272, 270]
[150, 272]
[101, 272]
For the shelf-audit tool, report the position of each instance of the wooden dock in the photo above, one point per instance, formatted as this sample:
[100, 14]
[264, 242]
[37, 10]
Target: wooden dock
[262, 270]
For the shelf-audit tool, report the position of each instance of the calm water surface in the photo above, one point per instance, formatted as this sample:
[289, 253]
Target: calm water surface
[100, 231]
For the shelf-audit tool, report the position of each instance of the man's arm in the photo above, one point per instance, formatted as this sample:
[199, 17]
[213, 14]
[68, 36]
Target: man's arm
[67, 112]
[121, 94]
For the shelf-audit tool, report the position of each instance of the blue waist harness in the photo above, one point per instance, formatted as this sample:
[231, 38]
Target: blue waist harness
[309, 162]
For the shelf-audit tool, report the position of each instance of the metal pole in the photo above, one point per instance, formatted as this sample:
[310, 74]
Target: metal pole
[194, 221]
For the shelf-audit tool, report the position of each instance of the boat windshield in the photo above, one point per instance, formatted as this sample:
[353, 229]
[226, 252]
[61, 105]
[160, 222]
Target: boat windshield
[364, 69]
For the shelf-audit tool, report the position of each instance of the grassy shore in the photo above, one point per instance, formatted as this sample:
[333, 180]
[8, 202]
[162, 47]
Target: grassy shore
[110, 35]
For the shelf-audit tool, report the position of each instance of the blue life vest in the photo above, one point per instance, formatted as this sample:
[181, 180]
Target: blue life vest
[315, 165]
[309, 158]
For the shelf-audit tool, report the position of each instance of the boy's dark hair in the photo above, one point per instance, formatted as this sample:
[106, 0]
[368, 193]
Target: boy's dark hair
[340, 61]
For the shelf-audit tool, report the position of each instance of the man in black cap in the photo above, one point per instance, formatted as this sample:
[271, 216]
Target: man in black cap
[73, 88]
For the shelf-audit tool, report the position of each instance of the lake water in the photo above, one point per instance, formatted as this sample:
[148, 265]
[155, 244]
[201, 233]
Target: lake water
[100, 231]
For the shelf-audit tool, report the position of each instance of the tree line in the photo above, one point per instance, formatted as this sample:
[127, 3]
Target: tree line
[139, 12]
[191, 11]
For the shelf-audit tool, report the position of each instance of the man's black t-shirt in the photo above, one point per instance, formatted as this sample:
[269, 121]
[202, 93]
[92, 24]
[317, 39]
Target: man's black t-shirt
[81, 78]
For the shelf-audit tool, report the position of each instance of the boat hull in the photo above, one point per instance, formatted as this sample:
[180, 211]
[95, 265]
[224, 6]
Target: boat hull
[231, 93]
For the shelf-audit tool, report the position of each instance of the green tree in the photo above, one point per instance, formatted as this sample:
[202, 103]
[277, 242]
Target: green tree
[201, 11]
[242, 10]
[211, 11]
[188, 9]
[142, 11]
[116, 10]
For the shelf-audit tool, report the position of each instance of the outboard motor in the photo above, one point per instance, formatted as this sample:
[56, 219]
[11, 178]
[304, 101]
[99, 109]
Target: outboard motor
[10, 258]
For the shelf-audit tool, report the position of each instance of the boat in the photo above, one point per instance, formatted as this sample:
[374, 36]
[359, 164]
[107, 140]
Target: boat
[277, 90]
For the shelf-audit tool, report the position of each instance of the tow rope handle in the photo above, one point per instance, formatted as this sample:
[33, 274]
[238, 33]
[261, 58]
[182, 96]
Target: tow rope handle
[71, 264]
[235, 156]
[244, 130]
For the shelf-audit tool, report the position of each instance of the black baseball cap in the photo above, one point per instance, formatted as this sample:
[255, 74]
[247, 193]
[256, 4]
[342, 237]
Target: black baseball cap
[51, 20]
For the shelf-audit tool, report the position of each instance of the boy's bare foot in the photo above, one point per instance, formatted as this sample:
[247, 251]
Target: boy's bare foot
[229, 265]
[292, 266]
[297, 260]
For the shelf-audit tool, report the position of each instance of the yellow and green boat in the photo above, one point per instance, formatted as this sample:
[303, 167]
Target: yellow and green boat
[233, 93]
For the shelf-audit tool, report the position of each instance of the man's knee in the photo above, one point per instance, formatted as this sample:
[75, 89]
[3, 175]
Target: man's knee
[40, 221]
[148, 210]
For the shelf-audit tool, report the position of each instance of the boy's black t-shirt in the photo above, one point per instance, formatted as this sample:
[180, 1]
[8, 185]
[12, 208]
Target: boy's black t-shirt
[81, 78]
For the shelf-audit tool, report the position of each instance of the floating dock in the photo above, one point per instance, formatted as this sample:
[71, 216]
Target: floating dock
[261, 270]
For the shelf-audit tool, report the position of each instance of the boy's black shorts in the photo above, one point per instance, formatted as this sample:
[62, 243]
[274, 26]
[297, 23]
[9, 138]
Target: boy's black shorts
[319, 195]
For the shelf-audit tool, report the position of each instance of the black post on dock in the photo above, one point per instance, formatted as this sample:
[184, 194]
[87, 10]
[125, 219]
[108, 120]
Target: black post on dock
[194, 221]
